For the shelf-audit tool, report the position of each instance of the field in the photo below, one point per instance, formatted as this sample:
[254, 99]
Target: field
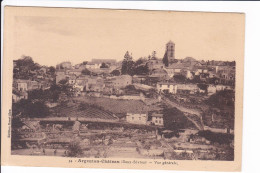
[118, 106]
[75, 109]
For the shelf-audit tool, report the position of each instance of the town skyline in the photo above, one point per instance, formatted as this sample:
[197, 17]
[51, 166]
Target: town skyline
[76, 39]
[112, 104]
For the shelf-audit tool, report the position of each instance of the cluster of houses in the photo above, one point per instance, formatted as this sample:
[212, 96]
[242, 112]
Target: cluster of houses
[161, 77]
[214, 72]
[99, 81]
[175, 88]
[96, 66]
[40, 78]
[190, 69]
[21, 88]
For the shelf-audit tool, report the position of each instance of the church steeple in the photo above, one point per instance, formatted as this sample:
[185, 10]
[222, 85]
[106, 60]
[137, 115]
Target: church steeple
[170, 51]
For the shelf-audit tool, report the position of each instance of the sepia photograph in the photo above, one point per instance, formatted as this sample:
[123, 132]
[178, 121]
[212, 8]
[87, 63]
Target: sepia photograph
[95, 85]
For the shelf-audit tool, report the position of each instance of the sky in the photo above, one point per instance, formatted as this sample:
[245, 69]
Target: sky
[54, 35]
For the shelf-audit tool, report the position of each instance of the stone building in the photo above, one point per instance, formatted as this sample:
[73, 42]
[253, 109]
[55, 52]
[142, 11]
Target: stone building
[170, 51]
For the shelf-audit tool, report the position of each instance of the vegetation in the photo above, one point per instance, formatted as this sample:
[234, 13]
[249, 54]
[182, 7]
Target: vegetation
[104, 65]
[221, 138]
[134, 68]
[85, 62]
[165, 60]
[222, 98]
[174, 119]
[203, 87]
[127, 64]
[74, 149]
[16, 122]
[115, 73]
[141, 70]
[30, 109]
[179, 78]
[86, 72]
[24, 67]
[51, 94]
[52, 70]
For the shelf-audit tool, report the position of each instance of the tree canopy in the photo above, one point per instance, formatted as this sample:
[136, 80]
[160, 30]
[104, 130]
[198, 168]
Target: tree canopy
[174, 119]
[165, 60]
[115, 73]
[86, 72]
[24, 66]
[104, 65]
[127, 64]
[30, 109]
[222, 98]
[179, 78]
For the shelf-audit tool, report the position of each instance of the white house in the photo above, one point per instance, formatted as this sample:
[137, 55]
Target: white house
[18, 95]
[165, 86]
[212, 89]
[21, 85]
[137, 118]
[93, 66]
[191, 88]
[170, 72]
[157, 119]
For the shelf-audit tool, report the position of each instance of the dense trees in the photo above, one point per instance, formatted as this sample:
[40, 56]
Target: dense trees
[104, 65]
[174, 119]
[31, 109]
[179, 78]
[141, 70]
[134, 68]
[24, 66]
[35, 106]
[127, 64]
[85, 62]
[86, 72]
[115, 73]
[203, 86]
[221, 138]
[140, 61]
[51, 94]
[222, 98]
[52, 70]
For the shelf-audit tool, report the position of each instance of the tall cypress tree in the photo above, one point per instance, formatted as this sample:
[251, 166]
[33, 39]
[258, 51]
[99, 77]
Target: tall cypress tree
[127, 64]
[165, 60]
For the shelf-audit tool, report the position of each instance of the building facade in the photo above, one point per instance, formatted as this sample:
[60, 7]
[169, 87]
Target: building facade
[137, 118]
[165, 86]
[157, 119]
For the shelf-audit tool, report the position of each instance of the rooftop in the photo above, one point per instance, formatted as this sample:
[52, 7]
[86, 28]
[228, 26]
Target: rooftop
[157, 115]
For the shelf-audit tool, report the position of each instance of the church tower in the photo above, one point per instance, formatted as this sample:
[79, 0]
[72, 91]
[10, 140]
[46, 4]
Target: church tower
[170, 51]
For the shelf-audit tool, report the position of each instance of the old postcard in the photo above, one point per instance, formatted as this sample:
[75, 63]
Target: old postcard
[132, 89]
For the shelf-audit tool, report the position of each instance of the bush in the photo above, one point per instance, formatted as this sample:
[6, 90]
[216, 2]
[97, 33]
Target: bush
[221, 138]
[74, 149]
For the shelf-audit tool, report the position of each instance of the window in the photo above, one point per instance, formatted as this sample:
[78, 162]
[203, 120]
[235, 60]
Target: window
[168, 86]
[160, 85]
[133, 118]
[156, 121]
[139, 118]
